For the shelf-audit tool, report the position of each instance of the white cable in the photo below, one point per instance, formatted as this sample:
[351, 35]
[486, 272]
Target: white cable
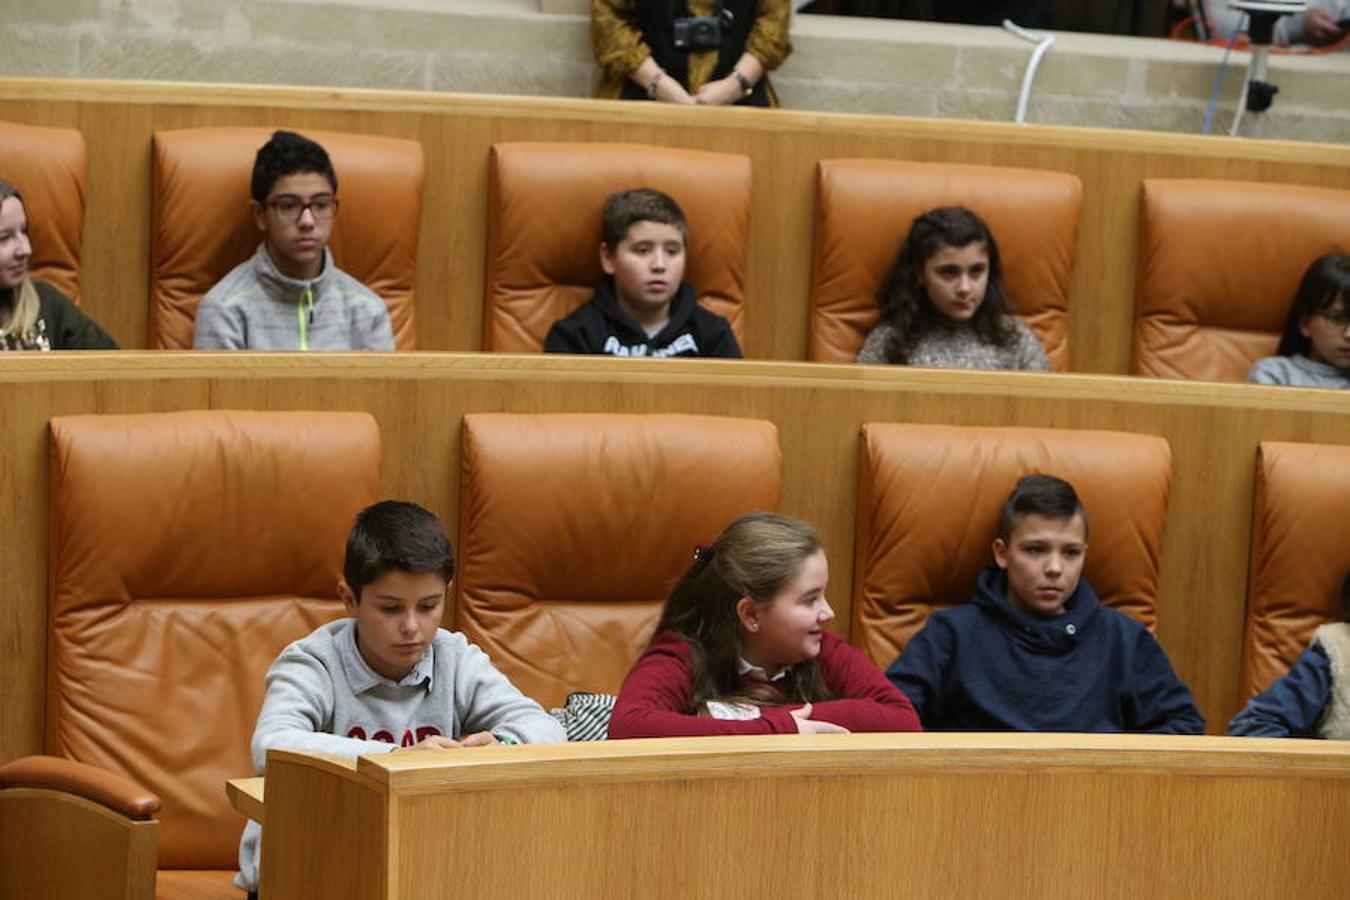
[1241, 108]
[1042, 43]
[1257, 70]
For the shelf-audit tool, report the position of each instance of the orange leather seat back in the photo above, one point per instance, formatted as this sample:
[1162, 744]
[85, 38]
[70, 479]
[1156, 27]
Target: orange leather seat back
[544, 211]
[864, 209]
[1219, 264]
[202, 226]
[929, 498]
[49, 166]
[186, 550]
[1300, 554]
[574, 528]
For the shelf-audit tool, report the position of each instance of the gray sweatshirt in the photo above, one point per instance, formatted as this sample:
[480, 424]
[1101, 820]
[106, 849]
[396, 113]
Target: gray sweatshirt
[255, 307]
[322, 696]
[1298, 371]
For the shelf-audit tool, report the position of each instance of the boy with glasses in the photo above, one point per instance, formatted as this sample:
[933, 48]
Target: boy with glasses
[290, 295]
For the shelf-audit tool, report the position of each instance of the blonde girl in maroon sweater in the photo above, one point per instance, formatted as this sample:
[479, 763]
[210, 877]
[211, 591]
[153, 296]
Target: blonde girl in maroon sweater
[742, 647]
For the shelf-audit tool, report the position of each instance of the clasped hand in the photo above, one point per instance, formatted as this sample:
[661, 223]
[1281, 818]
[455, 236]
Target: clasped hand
[441, 742]
[808, 725]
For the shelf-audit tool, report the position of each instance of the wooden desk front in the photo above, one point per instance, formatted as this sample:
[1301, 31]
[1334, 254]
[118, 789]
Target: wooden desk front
[938, 815]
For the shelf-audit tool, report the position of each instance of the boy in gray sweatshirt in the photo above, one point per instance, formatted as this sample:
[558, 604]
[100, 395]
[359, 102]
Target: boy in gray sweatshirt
[290, 295]
[388, 679]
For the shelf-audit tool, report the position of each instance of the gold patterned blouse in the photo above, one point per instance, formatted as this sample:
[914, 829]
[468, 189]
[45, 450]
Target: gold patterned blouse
[619, 48]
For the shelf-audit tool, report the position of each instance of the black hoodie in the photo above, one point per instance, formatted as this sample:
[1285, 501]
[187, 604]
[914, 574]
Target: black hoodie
[599, 326]
[987, 666]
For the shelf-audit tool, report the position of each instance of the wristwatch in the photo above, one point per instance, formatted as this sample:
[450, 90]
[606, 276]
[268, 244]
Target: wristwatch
[744, 82]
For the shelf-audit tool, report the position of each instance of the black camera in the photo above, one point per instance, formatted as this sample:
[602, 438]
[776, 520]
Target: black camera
[701, 32]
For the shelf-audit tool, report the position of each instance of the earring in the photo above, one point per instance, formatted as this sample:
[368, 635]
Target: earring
[754, 626]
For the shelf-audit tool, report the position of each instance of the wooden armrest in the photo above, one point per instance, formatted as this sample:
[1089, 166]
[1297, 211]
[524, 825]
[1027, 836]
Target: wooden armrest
[118, 794]
[246, 796]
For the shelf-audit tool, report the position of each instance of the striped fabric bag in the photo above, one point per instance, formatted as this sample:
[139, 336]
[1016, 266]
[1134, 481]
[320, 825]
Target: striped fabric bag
[585, 715]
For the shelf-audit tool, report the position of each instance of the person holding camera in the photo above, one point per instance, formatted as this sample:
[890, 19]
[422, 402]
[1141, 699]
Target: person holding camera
[690, 51]
[1325, 22]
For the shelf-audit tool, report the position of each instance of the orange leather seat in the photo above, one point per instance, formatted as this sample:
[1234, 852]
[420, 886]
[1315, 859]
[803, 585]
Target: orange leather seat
[929, 498]
[574, 528]
[864, 208]
[1300, 554]
[544, 206]
[186, 550]
[202, 226]
[49, 166]
[1219, 264]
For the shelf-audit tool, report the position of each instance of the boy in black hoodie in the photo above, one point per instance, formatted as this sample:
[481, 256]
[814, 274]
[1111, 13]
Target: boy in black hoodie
[643, 307]
[1035, 650]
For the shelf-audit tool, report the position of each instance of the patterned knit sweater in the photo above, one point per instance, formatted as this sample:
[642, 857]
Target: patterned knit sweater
[961, 348]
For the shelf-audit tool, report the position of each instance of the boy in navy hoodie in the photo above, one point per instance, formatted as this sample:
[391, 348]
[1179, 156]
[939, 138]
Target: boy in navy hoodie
[1034, 649]
[643, 307]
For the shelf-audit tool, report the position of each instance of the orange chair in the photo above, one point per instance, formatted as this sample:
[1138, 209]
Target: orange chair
[202, 226]
[186, 550]
[928, 505]
[1219, 264]
[1300, 553]
[544, 205]
[864, 208]
[574, 527]
[49, 166]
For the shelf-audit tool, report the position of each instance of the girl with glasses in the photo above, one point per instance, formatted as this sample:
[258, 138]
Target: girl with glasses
[1314, 350]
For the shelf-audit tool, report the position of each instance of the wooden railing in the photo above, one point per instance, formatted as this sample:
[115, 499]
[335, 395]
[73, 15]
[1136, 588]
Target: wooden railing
[456, 131]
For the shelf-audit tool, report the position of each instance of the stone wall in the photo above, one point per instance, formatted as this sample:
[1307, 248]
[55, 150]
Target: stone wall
[513, 47]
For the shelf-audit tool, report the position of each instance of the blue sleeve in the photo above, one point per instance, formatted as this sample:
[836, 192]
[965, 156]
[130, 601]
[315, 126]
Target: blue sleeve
[1293, 705]
[1159, 701]
[921, 669]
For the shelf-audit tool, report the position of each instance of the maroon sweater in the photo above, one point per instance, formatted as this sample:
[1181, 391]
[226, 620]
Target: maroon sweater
[655, 698]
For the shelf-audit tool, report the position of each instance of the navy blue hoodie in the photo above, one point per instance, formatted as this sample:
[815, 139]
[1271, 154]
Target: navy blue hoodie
[987, 666]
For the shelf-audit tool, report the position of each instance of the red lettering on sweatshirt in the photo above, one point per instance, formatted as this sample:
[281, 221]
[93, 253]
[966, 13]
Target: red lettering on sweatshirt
[409, 737]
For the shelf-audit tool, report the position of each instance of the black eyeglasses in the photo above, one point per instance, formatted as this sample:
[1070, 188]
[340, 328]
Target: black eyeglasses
[1340, 318]
[323, 207]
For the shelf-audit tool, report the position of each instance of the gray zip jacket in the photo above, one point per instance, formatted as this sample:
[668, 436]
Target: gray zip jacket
[255, 307]
[322, 696]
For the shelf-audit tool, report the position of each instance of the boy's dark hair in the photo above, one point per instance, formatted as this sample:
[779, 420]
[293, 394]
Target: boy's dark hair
[1345, 598]
[1040, 495]
[288, 153]
[904, 301]
[394, 535]
[625, 209]
[1326, 280]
